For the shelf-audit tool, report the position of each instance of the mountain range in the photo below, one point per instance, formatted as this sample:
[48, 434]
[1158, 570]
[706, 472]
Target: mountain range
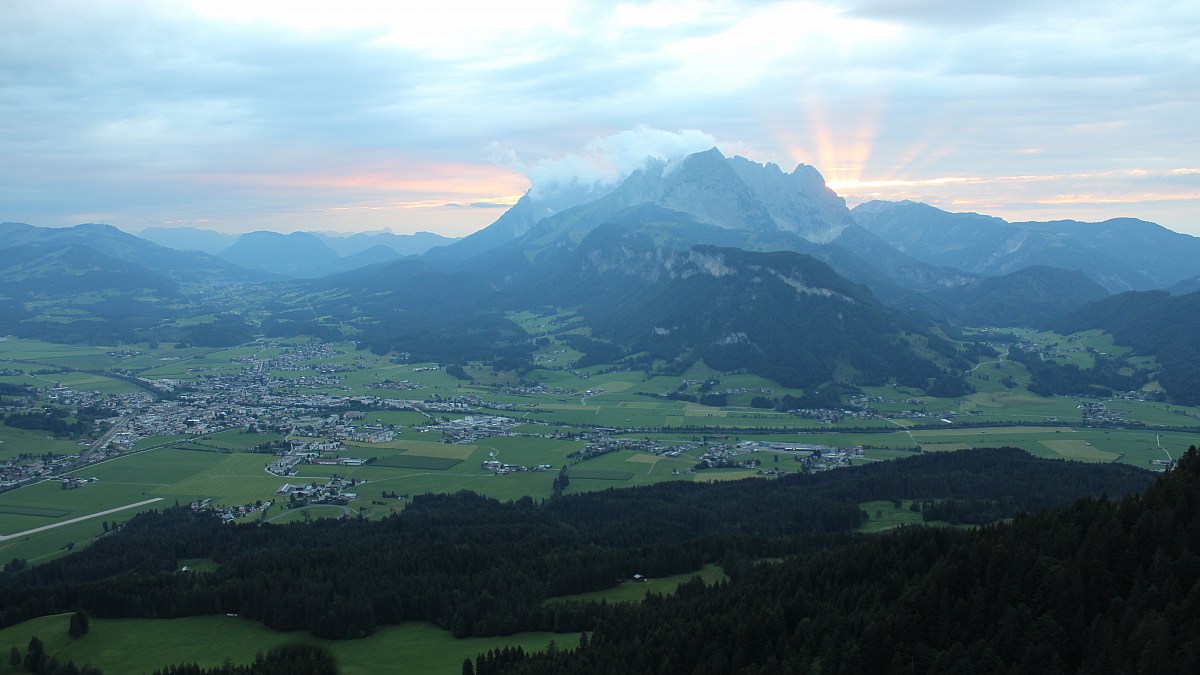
[1121, 254]
[299, 255]
[738, 264]
[128, 250]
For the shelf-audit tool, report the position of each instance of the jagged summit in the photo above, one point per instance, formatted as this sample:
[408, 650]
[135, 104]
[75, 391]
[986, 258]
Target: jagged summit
[731, 193]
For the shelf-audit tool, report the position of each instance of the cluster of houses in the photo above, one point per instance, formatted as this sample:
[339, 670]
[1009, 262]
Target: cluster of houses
[601, 444]
[524, 389]
[313, 451]
[1099, 413]
[473, 428]
[74, 482]
[17, 472]
[228, 514]
[500, 468]
[395, 385]
[814, 457]
[337, 491]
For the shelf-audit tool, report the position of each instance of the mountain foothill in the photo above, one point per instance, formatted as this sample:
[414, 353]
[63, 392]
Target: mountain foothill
[743, 266]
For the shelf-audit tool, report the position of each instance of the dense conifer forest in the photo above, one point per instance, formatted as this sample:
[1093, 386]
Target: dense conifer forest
[1105, 585]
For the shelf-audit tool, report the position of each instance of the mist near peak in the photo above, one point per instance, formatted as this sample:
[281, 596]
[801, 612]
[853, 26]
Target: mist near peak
[606, 161]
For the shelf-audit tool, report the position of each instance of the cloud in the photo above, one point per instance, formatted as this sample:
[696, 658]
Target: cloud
[150, 110]
[479, 205]
[610, 159]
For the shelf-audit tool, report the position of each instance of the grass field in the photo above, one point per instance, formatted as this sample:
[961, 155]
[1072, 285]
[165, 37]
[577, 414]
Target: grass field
[884, 515]
[142, 645]
[409, 461]
[597, 474]
[635, 591]
[15, 442]
[1079, 450]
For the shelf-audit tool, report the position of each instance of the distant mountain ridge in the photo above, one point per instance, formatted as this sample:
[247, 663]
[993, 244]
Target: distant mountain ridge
[37, 272]
[189, 238]
[1032, 297]
[127, 248]
[1120, 254]
[298, 255]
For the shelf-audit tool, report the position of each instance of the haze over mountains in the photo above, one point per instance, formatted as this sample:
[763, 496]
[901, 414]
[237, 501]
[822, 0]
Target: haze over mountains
[704, 198]
[738, 264]
[302, 255]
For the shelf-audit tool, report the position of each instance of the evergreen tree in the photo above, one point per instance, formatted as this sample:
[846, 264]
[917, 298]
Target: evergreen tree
[79, 624]
[35, 655]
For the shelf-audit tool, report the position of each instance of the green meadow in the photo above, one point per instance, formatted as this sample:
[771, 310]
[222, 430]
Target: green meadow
[884, 515]
[17, 442]
[631, 590]
[142, 645]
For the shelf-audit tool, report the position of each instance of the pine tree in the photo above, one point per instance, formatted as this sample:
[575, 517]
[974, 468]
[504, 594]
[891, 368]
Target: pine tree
[79, 624]
[35, 656]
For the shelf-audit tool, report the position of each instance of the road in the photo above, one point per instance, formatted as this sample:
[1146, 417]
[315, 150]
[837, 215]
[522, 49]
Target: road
[1158, 439]
[1000, 360]
[112, 431]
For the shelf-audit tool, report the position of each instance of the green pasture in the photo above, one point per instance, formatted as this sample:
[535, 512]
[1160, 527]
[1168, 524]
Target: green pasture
[600, 474]
[635, 591]
[46, 503]
[162, 467]
[46, 352]
[404, 418]
[714, 475]
[238, 439]
[16, 442]
[407, 461]
[626, 468]
[91, 382]
[884, 515]
[51, 544]
[1129, 446]
[304, 513]
[529, 451]
[142, 645]
[21, 380]
[16, 506]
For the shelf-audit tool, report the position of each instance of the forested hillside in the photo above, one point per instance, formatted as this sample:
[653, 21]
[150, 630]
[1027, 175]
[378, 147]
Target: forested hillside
[1106, 585]
[481, 567]
[1154, 323]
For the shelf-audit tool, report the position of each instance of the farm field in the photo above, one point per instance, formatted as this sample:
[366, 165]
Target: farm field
[142, 645]
[15, 442]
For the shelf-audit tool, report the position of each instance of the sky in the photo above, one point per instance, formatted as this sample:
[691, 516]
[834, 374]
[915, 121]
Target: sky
[413, 116]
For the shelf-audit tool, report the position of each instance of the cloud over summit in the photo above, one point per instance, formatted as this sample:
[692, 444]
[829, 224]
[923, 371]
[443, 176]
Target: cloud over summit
[606, 161]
